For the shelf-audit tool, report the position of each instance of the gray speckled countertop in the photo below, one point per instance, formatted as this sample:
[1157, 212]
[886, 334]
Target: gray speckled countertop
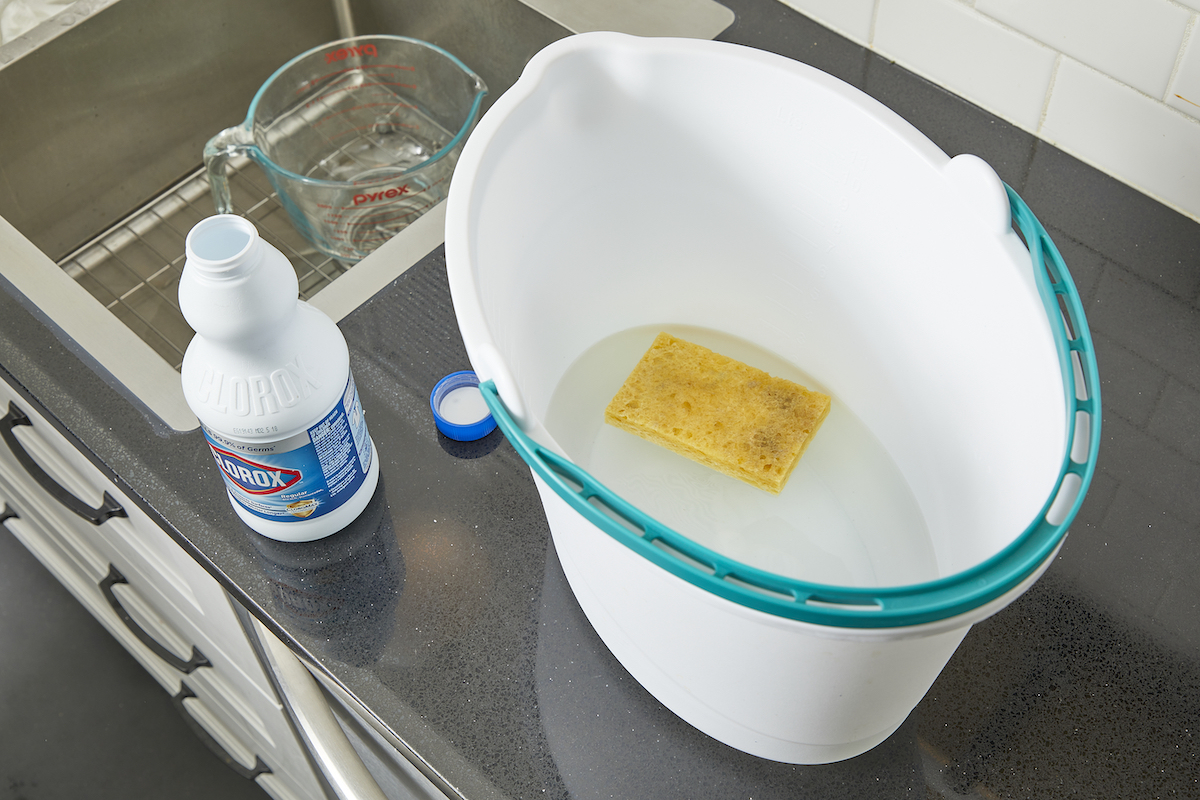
[445, 612]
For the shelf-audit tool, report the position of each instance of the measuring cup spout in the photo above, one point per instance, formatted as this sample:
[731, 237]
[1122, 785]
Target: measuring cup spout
[219, 149]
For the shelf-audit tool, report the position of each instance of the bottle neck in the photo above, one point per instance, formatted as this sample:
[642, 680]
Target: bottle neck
[236, 288]
[223, 247]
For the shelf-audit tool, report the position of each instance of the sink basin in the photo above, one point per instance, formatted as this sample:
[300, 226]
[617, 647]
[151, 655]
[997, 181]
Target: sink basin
[108, 107]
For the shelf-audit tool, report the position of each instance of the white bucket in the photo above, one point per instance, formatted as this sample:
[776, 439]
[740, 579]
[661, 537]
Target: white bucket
[756, 205]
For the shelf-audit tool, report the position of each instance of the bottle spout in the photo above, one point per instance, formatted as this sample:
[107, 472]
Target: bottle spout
[222, 247]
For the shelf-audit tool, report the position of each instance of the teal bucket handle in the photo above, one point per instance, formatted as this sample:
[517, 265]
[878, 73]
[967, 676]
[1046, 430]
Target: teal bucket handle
[868, 607]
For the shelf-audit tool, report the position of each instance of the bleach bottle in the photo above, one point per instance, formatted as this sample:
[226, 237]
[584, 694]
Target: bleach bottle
[269, 378]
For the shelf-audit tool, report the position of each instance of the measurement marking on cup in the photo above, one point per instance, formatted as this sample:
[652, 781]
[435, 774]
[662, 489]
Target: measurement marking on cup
[323, 97]
[374, 127]
[366, 67]
[389, 104]
[388, 216]
[372, 224]
[306, 85]
[336, 114]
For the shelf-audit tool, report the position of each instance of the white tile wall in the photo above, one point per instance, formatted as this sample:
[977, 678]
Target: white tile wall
[1113, 82]
[1135, 41]
[966, 52]
[1099, 116]
[1184, 92]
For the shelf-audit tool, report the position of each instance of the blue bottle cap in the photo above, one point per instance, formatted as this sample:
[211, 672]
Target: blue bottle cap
[459, 409]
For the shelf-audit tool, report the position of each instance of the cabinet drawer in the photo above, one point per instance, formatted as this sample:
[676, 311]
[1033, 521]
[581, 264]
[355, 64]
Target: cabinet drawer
[46, 543]
[213, 729]
[170, 614]
[268, 729]
[167, 577]
[187, 596]
[49, 463]
[69, 545]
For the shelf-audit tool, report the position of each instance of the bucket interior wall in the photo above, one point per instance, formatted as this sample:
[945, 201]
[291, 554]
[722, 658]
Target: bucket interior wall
[787, 210]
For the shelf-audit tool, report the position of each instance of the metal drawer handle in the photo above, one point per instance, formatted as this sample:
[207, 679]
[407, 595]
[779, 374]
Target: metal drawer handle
[195, 662]
[249, 773]
[108, 508]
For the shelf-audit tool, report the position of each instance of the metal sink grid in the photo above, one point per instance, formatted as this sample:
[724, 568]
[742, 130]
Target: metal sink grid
[133, 268]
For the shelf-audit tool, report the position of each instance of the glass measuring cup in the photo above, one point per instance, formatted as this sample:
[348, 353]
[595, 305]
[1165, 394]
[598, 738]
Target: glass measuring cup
[358, 138]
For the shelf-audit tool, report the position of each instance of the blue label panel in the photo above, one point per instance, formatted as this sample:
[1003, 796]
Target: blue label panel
[304, 476]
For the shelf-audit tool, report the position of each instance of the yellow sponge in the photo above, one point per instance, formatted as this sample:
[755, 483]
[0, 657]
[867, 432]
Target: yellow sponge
[718, 412]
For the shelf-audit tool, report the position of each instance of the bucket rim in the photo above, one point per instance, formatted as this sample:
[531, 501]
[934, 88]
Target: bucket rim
[870, 607]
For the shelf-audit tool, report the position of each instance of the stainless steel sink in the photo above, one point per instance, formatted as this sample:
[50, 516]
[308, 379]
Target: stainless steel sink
[106, 111]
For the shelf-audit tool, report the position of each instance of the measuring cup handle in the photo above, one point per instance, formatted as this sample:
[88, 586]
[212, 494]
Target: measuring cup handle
[219, 149]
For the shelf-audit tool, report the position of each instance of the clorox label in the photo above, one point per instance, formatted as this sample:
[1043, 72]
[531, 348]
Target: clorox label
[303, 476]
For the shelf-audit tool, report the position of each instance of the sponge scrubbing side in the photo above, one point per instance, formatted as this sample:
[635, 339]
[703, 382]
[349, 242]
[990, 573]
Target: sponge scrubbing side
[718, 412]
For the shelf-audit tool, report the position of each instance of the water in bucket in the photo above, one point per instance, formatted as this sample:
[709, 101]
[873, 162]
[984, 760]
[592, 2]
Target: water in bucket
[846, 516]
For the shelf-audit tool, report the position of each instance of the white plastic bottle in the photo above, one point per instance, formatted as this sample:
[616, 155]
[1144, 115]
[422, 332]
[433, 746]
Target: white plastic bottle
[269, 378]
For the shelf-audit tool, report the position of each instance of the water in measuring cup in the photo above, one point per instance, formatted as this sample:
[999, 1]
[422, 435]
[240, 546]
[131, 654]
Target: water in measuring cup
[356, 125]
[373, 141]
[847, 516]
[393, 137]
